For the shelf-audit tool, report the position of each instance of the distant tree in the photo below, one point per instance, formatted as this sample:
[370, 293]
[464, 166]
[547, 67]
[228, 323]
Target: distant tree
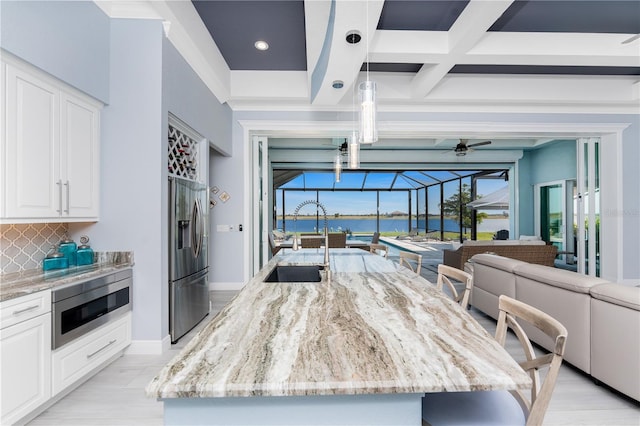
[451, 207]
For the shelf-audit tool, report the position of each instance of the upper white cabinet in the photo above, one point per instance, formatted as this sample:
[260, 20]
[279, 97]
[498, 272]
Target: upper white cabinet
[50, 148]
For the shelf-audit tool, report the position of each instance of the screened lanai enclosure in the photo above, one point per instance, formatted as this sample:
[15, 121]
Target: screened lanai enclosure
[422, 202]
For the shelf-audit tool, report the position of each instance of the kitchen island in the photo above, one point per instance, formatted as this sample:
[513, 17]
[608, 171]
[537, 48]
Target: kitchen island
[360, 347]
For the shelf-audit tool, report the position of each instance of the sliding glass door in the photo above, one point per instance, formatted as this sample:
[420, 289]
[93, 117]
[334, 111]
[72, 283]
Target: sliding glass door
[588, 206]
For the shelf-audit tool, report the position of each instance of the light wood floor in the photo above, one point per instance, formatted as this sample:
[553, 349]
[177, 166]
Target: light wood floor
[115, 396]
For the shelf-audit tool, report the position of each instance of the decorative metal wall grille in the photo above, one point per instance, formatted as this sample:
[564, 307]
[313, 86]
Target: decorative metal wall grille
[25, 246]
[183, 155]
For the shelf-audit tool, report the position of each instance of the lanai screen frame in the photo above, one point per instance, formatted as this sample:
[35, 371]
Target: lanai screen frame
[412, 193]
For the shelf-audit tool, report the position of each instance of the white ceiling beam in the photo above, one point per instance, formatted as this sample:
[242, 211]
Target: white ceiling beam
[274, 85]
[497, 48]
[476, 18]
[342, 61]
[394, 46]
[372, 156]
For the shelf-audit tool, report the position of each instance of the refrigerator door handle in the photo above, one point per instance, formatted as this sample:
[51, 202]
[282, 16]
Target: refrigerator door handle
[197, 228]
[201, 225]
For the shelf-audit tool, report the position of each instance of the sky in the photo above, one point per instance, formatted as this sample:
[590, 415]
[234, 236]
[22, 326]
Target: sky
[364, 202]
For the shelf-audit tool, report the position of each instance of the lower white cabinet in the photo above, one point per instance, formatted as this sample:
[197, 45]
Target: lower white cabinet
[31, 374]
[75, 360]
[25, 356]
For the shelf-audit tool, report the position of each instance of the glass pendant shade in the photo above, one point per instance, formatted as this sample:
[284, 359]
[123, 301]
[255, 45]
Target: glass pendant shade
[354, 151]
[368, 127]
[337, 167]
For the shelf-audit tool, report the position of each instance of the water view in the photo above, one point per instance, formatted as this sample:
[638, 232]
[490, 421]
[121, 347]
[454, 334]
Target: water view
[387, 225]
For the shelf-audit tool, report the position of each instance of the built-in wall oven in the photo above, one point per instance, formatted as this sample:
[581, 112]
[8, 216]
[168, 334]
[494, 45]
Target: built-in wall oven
[82, 307]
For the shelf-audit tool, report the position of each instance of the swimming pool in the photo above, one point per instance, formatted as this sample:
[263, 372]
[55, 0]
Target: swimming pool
[394, 250]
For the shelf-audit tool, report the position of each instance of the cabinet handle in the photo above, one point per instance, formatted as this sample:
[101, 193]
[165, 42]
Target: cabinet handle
[30, 308]
[67, 185]
[101, 349]
[59, 183]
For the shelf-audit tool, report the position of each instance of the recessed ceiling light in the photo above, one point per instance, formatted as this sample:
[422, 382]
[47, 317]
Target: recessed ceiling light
[353, 37]
[338, 84]
[261, 45]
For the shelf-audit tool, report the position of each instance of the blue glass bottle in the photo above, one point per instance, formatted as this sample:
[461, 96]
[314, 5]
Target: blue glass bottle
[69, 249]
[85, 252]
[55, 260]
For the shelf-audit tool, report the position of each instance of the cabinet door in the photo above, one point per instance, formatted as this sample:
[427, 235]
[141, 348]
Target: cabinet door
[32, 185]
[25, 363]
[79, 160]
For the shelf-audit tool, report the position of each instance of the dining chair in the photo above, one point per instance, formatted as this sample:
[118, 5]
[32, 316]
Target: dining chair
[311, 241]
[380, 249]
[445, 274]
[375, 239]
[407, 258]
[337, 240]
[506, 407]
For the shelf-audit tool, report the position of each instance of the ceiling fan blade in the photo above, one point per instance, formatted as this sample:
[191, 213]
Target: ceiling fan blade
[479, 144]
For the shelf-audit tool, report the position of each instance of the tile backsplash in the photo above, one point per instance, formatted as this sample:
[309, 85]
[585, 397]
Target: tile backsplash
[24, 246]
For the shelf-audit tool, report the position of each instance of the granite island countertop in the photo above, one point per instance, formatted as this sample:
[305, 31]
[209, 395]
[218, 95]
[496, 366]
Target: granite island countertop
[19, 284]
[372, 328]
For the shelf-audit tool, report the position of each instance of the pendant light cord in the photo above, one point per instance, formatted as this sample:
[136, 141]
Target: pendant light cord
[367, 42]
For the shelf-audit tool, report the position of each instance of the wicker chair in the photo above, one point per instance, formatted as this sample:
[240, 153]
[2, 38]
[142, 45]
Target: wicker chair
[337, 240]
[311, 240]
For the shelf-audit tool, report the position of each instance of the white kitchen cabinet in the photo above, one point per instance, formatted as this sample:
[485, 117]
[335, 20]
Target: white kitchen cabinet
[25, 355]
[75, 360]
[50, 148]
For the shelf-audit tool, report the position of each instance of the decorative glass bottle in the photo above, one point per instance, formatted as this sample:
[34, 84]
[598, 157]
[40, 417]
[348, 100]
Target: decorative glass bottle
[85, 252]
[69, 248]
[54, 260]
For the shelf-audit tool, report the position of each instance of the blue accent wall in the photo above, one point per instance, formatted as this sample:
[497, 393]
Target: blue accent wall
[67, 39]
[556, 161]
[552, 162]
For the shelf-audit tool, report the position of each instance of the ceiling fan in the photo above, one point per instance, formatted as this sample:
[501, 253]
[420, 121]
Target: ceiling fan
[462, 147]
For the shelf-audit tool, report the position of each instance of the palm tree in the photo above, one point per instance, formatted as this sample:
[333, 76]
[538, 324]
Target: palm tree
[452, 205]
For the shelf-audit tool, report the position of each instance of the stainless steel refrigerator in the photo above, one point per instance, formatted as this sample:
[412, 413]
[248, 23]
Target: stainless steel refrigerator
[188, 268]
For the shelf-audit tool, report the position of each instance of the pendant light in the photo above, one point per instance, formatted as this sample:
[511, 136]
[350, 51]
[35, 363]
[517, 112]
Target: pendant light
[337, 166]
[367, 90]
[368, 128]
[354, 151]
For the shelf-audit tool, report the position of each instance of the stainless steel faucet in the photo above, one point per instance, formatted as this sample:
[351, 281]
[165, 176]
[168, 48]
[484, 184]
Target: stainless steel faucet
[326, 229]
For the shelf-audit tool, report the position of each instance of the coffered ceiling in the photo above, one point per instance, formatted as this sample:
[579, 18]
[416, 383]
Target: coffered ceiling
[425, 53]
[549, 56]
[574, 55]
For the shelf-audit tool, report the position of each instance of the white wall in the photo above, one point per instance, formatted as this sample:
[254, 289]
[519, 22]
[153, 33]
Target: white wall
[132, 169]
[69, 40]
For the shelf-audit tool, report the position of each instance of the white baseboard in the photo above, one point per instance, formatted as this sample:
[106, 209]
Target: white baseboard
[225, 286]
[149, 347]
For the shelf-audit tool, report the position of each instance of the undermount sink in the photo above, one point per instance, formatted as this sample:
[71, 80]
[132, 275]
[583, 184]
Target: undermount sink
[295, 274]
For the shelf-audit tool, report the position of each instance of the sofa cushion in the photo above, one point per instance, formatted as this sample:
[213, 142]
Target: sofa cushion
[561, 278]
[615, 343]
[617, 294]
[500, 262]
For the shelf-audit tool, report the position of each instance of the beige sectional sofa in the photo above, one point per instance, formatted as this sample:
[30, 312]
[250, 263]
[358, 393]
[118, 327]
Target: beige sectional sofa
[532, 251]
[602, 318]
